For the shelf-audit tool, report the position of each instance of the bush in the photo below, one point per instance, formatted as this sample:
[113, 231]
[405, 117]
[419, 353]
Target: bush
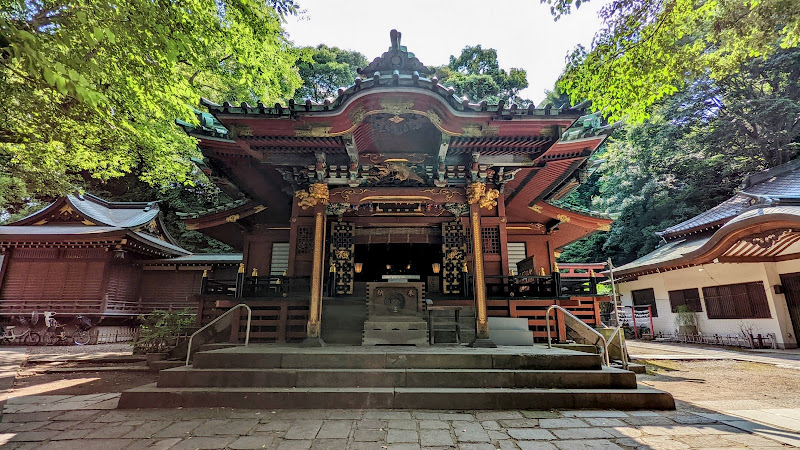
[159, 331]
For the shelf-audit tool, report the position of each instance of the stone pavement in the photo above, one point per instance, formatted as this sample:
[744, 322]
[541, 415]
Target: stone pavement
[88, 422]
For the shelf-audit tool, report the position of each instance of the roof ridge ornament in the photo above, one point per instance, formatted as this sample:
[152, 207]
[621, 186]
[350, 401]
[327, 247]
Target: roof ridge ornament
[397, 58]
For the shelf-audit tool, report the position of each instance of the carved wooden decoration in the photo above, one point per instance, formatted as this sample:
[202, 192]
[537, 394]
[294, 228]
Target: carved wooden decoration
[342, 256]
[454, 254]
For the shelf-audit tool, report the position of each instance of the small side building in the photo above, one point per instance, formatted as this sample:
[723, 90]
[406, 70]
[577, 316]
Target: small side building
[736, 266]
[106, 260]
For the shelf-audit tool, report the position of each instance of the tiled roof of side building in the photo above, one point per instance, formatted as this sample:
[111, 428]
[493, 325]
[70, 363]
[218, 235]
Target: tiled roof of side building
[119, 214]
[782, 182]
[667, 252]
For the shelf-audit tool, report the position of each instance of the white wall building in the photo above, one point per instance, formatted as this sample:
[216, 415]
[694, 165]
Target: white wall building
[737, 265]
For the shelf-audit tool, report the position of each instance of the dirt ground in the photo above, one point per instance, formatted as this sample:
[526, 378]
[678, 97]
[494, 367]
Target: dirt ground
[702, 383]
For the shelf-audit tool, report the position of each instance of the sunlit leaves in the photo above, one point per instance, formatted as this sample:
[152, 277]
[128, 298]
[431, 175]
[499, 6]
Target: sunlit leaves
[91, 88]
[649, 49]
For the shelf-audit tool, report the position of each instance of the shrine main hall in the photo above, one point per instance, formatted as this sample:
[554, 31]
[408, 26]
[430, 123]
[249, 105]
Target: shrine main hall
[359, 215]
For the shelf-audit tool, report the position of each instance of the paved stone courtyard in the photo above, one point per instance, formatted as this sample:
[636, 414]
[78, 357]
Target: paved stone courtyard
[90, 422]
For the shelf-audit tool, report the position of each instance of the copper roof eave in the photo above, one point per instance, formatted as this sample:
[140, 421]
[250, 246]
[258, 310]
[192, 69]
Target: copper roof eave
[711, 249]
[225, 216]
[368, 87]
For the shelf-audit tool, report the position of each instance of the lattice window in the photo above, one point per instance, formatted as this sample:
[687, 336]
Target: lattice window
[305, 240]
[490, 236]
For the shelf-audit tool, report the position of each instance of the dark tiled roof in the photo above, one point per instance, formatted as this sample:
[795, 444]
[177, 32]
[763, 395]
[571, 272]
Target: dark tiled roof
[199, 258]
[667, 252]
[395, 68]
[777, 185]
[217, 209]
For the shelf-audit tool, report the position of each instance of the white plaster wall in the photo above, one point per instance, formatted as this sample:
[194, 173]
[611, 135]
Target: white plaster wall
[719, 274]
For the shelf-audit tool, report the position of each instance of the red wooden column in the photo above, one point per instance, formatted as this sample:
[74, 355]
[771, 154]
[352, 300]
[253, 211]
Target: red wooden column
[477, 197]
[501, 212]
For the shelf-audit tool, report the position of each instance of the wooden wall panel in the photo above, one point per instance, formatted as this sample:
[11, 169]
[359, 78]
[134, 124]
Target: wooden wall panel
[168, 290]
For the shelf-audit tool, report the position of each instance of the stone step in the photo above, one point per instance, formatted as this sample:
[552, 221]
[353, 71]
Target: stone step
[376, 358]
[511, 337]
[150, 396]
[433, 378]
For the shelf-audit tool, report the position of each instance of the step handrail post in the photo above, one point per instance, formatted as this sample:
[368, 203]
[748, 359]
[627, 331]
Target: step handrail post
[221, 316]
[565, 311]
[618, 332]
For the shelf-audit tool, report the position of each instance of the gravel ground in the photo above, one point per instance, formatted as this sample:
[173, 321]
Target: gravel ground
[122, 347]
[714, 382]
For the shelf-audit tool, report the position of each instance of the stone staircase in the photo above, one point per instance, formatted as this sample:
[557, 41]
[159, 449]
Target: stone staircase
[274, 376]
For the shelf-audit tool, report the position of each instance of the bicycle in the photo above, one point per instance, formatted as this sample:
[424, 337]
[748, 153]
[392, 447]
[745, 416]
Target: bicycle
[29, 337]
[56, 333]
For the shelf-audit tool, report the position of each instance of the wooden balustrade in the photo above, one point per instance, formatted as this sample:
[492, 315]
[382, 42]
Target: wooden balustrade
[273, 320]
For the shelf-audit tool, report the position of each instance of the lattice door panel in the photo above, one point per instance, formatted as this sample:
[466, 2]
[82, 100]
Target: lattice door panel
[342, 256]
[454, 253]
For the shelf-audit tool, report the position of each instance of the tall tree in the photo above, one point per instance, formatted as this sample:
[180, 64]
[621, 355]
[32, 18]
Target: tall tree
[476, 73]
[650, 49]
[325, 69]
[693, 152]
[91, 88]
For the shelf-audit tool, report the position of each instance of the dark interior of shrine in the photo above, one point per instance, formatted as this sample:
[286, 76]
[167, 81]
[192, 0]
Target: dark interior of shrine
[396, 259]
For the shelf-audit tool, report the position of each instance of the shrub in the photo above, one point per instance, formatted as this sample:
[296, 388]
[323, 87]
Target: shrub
[159, 331]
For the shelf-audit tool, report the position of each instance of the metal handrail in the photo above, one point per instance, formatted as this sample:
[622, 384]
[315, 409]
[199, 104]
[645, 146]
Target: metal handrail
[247, 332]
[617, 331]
[547, 325]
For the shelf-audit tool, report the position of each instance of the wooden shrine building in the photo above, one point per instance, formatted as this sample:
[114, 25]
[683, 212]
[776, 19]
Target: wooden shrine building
[397, 195]
[110, 261]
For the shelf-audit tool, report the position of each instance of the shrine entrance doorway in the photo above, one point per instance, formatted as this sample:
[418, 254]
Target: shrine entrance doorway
[379, 260]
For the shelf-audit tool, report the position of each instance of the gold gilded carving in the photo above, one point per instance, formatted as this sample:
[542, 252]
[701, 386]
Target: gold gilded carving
[240, 131]
[603, 227]
[41, 222]
[316, 193]
[346, 193]
[536, 208]
[563, 218]
[434, 118]
[192, 226]
[477, 193]
[396, 106]
[313, 130]
[448, 194]
[396, 119]
[259, 208]
[342, 254]
[232, 218]
[357, 116]
[479, 130]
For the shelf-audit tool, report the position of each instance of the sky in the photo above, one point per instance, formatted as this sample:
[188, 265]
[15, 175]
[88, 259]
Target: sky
[522, 31]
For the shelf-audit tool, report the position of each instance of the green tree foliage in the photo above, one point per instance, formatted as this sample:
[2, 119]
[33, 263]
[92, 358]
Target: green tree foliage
[693, 152]
[174, 198]
[476, 73]
[325, 69]
[90, 89]
[650, 49]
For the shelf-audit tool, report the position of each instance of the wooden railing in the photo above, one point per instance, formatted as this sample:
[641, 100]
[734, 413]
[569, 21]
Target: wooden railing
[273, 320]
[585, 308]
[267, 286]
